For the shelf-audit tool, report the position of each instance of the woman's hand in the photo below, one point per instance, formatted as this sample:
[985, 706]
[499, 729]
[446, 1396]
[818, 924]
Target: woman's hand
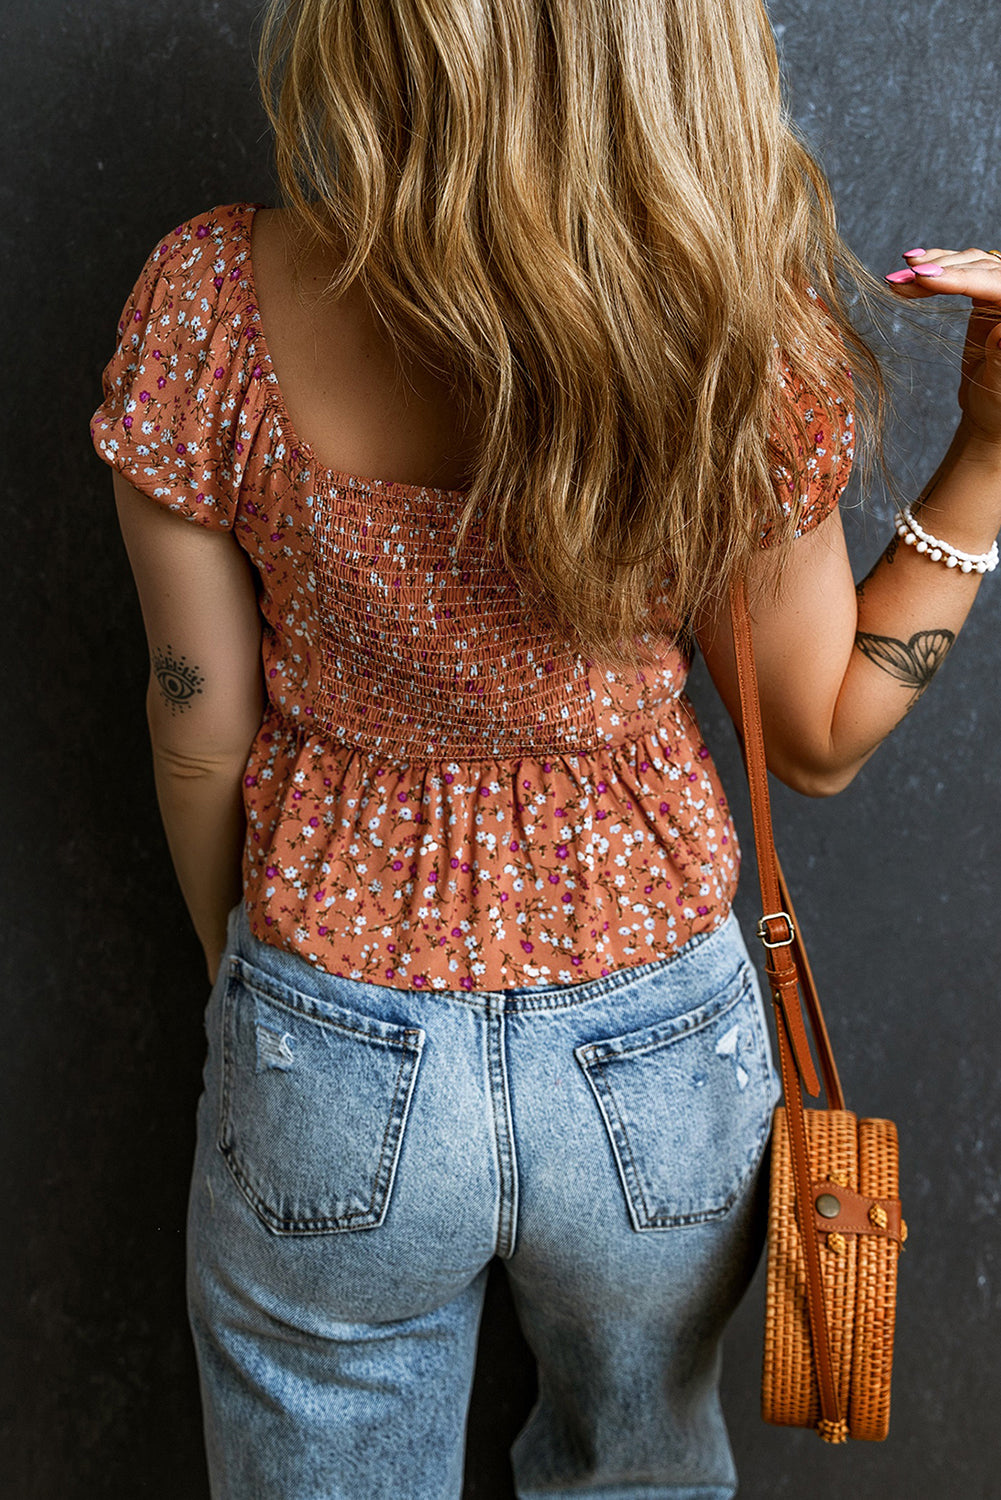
[839, 665]
[975, 274]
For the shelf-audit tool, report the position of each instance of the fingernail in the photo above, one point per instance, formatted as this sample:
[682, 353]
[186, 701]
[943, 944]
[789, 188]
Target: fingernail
[931, 270]
[898, 276]
[905, 253]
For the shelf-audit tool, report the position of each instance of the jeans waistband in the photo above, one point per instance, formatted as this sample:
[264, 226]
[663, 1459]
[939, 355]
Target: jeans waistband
[295, 969]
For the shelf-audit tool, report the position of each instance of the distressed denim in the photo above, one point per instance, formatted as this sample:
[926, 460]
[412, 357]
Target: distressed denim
[364, 1152]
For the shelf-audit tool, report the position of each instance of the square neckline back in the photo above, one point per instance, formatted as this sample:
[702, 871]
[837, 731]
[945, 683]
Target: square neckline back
[339, 478]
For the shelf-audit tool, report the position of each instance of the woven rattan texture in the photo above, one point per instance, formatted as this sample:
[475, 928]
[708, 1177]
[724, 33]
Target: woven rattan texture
[859, 1272]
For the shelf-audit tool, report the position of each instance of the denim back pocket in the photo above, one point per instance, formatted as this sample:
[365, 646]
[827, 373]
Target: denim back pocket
[687, 1104]
[314, 1103]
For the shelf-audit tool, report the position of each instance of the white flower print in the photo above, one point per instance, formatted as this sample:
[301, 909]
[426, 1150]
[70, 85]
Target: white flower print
[555, 846]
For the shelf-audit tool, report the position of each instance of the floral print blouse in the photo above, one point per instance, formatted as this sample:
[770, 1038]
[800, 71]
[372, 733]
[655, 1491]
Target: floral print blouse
[438, 796]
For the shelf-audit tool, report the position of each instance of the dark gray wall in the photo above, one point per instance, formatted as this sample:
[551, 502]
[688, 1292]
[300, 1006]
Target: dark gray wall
[121, 120]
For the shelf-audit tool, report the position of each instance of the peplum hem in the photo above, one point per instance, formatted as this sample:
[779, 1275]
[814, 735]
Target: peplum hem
[488, 874]
[439, 796]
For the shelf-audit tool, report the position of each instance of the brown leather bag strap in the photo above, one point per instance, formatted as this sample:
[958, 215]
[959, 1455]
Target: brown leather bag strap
[832, 1083]
[778, 932]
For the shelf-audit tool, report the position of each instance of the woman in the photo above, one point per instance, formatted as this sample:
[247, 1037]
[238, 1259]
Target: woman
[459, 861]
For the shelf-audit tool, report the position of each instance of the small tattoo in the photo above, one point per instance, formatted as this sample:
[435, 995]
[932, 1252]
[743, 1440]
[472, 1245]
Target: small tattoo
[177, 679]
[913, 664]
[891, 547]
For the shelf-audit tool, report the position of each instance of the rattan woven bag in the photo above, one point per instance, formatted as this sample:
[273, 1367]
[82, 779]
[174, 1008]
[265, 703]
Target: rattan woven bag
[834, 1225]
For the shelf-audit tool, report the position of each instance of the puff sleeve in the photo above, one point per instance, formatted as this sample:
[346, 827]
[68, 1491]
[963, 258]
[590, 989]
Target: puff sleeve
[824, 470]
[167, 421]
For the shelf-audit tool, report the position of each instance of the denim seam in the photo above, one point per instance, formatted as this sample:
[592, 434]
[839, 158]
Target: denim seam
[405, 1040]
[693, 1216]
[620, 1166]
[628, 1172]
[328, 1225]
[282, 997]
[545, 998]
[392, 1139]
[687, 1024]
[507, 1205]
[563, 997]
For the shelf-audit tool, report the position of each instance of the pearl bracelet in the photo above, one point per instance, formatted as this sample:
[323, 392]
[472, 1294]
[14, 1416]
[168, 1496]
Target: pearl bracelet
[922, 541]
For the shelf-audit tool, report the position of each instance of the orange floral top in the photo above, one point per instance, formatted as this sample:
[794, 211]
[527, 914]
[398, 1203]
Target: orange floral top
[438, 795]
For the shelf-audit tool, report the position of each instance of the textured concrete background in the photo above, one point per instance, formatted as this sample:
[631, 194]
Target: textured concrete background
[121, 120]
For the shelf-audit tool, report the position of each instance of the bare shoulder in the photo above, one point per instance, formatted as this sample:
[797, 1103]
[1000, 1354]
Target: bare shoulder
[284, 262]
[360, 407]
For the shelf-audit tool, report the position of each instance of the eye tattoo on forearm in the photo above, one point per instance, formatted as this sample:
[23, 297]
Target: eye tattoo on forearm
[913, 664]
[177, 679]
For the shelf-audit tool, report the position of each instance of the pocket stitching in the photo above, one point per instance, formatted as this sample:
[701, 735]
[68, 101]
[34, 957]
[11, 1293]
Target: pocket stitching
[403, 1038]
[594, 1066]
[664, 1033]
[276, 992]
[410, 1045]
[620, 1165]
[341, 1222]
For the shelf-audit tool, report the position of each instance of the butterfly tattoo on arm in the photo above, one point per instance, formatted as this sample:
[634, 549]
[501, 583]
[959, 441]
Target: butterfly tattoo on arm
[914, 662]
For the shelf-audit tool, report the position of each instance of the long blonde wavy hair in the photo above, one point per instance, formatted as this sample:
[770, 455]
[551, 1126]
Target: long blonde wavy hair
[597, 220]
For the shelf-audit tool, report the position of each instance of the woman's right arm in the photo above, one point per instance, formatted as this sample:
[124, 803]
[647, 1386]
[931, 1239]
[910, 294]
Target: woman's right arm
[839, 665]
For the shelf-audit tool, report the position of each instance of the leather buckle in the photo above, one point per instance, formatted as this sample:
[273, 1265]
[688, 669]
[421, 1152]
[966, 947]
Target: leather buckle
[774, 917]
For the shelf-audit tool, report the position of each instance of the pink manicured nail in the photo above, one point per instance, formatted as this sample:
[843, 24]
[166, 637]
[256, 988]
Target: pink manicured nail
[906, 253]
[898, 276]
[930, 270]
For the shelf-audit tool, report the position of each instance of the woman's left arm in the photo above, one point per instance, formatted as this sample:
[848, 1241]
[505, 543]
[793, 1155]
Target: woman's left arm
[205, 700]
[839, 665]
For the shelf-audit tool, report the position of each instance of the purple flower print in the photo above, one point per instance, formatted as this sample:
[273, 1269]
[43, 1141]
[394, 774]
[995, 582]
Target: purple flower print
[312, 555]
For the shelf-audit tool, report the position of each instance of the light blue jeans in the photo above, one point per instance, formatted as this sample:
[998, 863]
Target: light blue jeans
[363, 1152]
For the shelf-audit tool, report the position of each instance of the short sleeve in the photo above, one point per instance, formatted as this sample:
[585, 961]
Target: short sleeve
[825, 468]
[166, 421]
